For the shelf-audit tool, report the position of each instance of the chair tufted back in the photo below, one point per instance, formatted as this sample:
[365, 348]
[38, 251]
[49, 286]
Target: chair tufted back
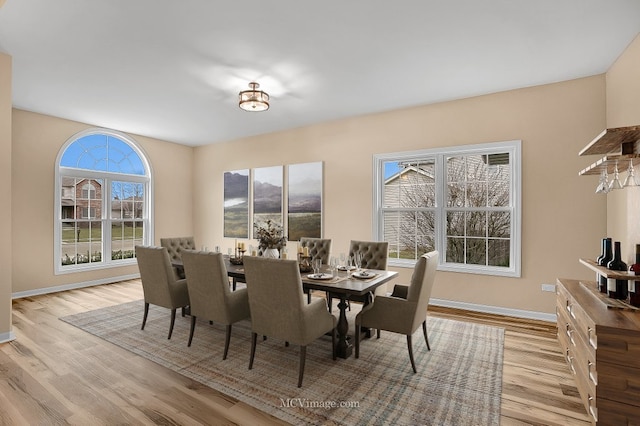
[176, 245]
[375, 253]
[319, 248]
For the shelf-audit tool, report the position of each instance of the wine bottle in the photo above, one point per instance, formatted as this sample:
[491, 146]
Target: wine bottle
[617, 289]
[603, 261]
[634, 286]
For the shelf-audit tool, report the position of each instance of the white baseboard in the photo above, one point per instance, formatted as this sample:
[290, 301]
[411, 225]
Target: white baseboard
[47, 290]
[7, 337]
[518, 313]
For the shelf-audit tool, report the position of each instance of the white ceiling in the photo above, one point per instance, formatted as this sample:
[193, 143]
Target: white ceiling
[173, 69]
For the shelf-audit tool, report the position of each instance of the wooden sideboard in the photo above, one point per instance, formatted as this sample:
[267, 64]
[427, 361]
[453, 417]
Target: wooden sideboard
[601, 344]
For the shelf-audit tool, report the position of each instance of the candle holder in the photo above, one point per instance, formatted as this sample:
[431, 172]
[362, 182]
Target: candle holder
[238, 259]
[305, 263]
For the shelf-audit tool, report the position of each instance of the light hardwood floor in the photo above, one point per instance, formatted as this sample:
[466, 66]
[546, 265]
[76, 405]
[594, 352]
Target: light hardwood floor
[54, 373]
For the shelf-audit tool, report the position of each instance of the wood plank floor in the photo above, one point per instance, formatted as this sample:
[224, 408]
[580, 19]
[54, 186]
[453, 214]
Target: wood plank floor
[54, 373]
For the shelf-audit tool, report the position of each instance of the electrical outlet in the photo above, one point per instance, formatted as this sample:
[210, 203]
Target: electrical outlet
[549, 287]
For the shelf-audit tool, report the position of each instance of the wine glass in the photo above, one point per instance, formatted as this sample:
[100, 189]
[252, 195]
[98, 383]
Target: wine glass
[333, 264]
[343, 261]
[316, 263]
[358, 260]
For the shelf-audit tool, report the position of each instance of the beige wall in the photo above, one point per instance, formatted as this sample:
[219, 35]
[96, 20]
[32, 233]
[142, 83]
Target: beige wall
[37, 140]
[563, 220]
[623, 109]
[5, 195]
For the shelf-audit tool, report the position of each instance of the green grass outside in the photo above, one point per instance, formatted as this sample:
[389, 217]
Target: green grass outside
[94, 234]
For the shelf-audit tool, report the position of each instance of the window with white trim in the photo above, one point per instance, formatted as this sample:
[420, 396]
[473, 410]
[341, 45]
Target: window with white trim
[462, 201]
[103, 201]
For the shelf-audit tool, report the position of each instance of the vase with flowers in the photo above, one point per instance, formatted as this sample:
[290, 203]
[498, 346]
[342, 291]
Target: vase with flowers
[271, 238]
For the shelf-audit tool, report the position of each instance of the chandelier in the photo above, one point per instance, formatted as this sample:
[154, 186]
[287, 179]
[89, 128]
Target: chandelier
[254, 99]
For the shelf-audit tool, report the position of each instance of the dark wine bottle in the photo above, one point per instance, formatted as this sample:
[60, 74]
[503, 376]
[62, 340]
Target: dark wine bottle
[617, 289]
[604, 260]
[634, 286]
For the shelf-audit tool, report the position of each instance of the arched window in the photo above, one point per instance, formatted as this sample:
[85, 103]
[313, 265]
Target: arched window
[103, 201]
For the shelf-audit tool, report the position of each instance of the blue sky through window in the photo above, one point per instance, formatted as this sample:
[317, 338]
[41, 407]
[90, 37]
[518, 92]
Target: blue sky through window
[102, 152]
[391, 168]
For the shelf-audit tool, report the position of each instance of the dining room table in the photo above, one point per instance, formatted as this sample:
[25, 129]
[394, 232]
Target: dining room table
[341, 285]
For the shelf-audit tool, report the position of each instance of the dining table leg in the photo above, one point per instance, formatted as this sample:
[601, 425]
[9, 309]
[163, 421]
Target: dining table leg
[344, 348]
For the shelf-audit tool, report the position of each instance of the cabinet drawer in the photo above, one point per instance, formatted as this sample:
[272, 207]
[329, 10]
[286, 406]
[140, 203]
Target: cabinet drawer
[585, 363]
[587, 393]
[580, 321]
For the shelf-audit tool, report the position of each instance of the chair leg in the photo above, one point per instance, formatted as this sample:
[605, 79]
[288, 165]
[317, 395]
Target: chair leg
[286, 344]
[146, 312]
[193, 327]
[309, 297]
[173, 321]
[424, 331]
[184, 311]
[377, 333]
[227, 339]
[413, 363]
[303, 357]
[254, 338]
[329, 301]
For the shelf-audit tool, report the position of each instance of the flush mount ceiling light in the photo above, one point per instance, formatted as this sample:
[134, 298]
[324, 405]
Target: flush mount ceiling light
[253, 99]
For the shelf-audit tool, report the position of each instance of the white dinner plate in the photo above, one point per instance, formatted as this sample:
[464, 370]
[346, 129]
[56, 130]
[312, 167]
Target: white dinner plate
[363, 274]
[320, 276]
[344, 268]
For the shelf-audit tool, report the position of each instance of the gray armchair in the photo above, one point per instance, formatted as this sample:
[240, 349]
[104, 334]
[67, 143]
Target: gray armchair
[175, 247]
[319, 248]
[159, 283]
[278, 308]
[403, 315]
[209, 293]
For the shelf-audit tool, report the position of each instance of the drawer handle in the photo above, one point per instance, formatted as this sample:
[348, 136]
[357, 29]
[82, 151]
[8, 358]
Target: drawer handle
[570, 335]
[592, 409]
[593, 342]
[593, 376]
[570, 360]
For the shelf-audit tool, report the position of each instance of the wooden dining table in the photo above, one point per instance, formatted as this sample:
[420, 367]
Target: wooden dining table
[343, 287]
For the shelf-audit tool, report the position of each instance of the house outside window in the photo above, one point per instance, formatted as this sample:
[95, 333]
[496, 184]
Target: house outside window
[103, 207]
[462, 201]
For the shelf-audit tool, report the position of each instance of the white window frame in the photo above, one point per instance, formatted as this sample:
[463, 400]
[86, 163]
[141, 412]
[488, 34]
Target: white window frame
[514, 148]
[105, 218]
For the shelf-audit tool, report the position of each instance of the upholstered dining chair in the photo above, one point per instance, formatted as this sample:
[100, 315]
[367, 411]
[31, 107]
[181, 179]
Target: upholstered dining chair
[159, 283]
[278, 308]
[175, 247]
[374, 256]
[319, 248]
[209, 293]
[403, 315]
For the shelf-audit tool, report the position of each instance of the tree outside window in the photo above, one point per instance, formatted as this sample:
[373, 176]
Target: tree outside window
[463, 202]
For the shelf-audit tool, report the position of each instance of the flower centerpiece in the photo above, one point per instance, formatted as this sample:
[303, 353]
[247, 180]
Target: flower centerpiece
[270, 238]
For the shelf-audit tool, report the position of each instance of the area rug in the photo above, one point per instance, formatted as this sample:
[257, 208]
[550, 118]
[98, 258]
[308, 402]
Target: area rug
[459, 382]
